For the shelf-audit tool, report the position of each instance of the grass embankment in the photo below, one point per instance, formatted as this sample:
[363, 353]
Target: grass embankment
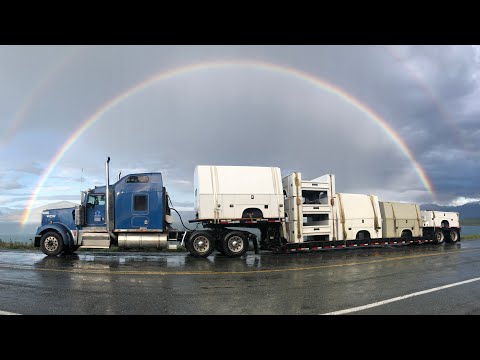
[470, 222]
[15, 245]
[470, 237]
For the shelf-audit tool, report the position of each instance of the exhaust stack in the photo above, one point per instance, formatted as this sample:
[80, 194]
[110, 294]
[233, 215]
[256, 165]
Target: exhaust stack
[107, 195]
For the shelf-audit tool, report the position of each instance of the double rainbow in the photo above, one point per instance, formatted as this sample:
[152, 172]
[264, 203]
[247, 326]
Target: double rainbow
[258, 65]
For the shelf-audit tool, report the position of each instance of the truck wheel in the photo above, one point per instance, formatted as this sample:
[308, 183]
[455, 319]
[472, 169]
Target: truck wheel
[453, 236]
[200, 244]
[439, 236]
[235, 244]
[51, 243]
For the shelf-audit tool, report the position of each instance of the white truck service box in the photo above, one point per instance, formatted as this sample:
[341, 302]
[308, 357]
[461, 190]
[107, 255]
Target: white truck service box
[238, 192]
[440, 219]
[400, 220]
[357, 217]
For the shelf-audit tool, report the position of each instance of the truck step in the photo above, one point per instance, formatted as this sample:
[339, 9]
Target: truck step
[94, 240]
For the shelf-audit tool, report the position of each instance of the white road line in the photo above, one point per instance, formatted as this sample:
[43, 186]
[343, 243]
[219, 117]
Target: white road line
[8, 313]
[360, 308]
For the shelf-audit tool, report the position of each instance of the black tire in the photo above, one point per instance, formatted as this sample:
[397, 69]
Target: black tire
[454, 236]
[235, 244]
[439, 236]
[70, 250]
[201, 244]
[219, 246]
[51, 243]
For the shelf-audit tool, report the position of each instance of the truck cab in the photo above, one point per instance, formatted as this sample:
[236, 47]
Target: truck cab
[134, 212]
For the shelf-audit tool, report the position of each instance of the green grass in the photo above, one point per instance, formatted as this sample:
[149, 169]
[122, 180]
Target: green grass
[470, 222]
[15, 245]
[470, 237]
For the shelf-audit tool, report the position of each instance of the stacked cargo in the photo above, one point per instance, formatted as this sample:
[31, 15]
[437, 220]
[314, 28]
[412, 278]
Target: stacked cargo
[308, 208]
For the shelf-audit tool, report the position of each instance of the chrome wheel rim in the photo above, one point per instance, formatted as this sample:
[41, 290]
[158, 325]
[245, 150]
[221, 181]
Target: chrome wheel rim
[453, 236]
[235, 244]
[51, 243]
[201, 244]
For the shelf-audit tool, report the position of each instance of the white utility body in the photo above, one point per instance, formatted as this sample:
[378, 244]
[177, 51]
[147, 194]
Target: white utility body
[400, 219]
[238, 192]
[357, 216]
[440, 219]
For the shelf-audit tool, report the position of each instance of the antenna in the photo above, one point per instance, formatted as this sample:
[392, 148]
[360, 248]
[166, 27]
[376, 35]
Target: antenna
[81, 180]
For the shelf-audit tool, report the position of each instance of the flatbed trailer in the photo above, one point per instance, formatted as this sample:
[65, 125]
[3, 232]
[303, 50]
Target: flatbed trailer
[344, 244]
[270, 230]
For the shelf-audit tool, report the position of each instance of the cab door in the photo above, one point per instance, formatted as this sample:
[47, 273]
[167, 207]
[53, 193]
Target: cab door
[95, 210]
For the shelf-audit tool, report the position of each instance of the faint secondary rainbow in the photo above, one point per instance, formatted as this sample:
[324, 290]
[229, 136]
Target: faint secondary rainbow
[39, 89]
[257, 65]
[427, 89]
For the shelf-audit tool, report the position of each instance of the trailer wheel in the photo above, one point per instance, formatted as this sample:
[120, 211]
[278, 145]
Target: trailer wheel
[200, 244]
[453, 236]
[51, 243]
[235, 244]
[439, 236]
[219, 246]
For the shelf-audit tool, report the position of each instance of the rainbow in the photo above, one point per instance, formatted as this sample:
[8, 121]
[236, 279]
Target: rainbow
[258, 65]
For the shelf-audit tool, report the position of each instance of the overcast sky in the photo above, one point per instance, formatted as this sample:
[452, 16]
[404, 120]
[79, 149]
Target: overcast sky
[240, 115]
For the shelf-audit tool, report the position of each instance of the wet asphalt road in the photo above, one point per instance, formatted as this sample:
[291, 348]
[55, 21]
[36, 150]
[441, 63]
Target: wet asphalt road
[305, 283]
